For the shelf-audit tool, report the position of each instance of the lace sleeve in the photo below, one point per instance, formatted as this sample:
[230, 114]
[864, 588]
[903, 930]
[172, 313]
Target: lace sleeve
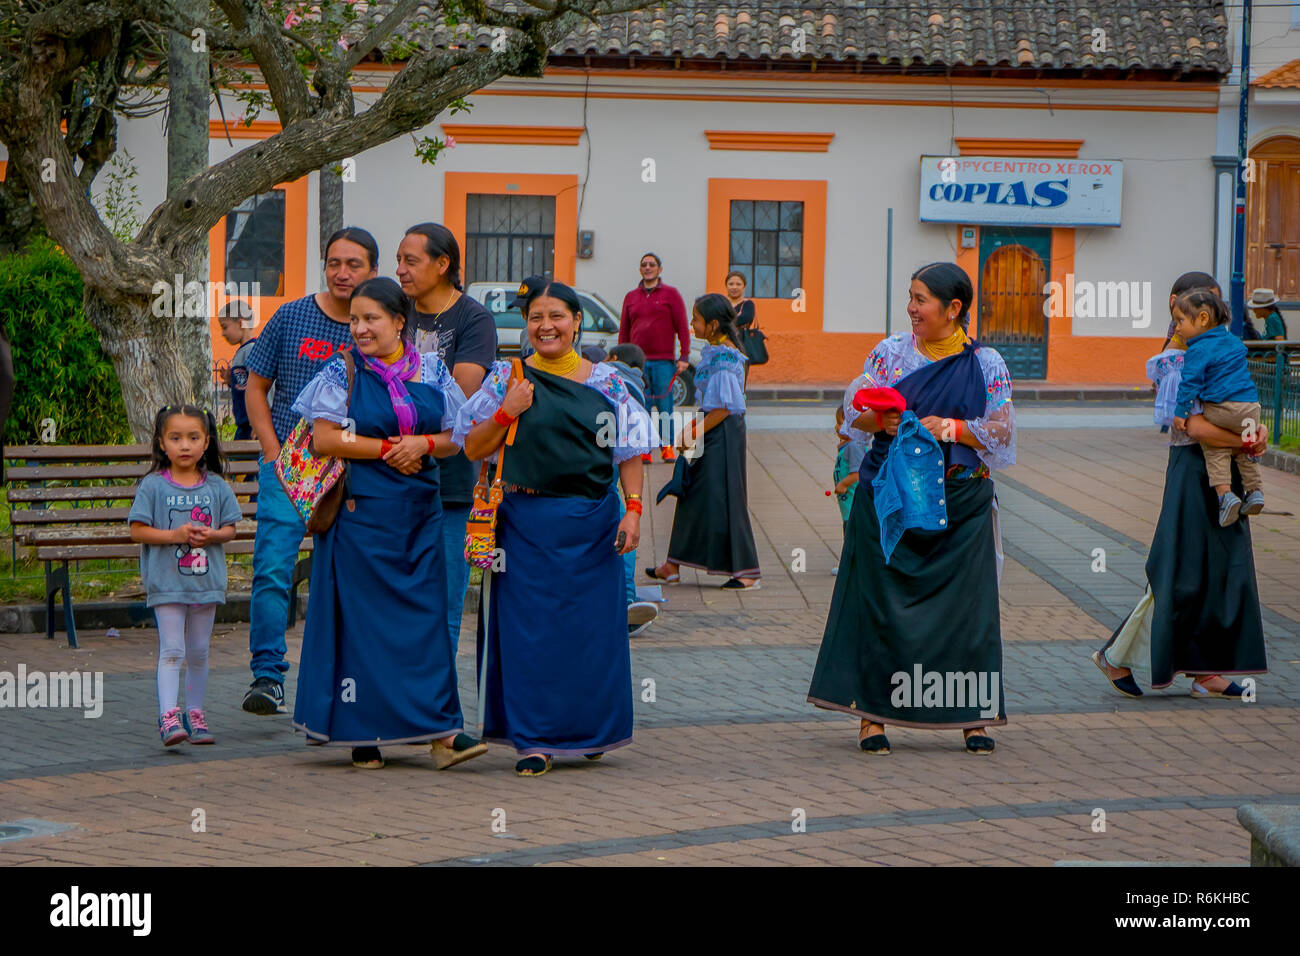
[627, 431]
[326, 395]
[433, 371]
[996, 429]
[483, 404]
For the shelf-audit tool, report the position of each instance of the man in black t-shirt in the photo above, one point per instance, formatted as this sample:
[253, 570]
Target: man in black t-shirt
[464, 335]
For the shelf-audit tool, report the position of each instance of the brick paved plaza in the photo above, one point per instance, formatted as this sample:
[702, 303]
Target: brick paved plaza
[729, 752]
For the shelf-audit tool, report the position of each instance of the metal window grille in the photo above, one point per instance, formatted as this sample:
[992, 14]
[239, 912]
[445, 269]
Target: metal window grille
[767, 246]
[508, 237]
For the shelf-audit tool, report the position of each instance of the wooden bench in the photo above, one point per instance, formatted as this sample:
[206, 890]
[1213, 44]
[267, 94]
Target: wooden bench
[38, 476]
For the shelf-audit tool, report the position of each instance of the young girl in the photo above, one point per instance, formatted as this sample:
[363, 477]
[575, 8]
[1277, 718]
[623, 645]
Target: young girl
[711, 528]
[182, 515]
[849, 452]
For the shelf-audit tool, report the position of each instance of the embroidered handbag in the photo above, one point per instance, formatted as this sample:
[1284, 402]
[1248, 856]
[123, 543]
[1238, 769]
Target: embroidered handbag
[314, 483]
[481, 528]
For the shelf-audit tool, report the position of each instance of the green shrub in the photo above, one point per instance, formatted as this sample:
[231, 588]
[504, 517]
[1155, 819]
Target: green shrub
[60, 370]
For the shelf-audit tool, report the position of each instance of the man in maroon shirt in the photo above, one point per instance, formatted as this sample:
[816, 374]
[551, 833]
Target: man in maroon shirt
[653, 316]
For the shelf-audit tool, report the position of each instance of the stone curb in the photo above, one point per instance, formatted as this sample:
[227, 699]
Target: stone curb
[1281, 460]
[1274, 834]
[100, 615]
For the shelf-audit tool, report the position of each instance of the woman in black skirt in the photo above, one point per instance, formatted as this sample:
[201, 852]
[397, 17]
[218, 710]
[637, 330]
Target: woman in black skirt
[915, 638]
[711, 529]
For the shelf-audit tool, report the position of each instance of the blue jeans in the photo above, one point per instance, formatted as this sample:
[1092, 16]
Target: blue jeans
[280, 531]
[659, 373]
[454, 519]
[629, 559]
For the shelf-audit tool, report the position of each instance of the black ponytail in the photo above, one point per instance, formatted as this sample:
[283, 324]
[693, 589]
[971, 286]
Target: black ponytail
[715, 307]
[212, 457]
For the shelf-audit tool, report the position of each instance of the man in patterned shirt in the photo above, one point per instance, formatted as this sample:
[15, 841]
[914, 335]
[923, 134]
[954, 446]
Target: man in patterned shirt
[301, 336]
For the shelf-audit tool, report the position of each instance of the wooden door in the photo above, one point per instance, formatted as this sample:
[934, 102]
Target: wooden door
[1011, 299]
[1273, 219]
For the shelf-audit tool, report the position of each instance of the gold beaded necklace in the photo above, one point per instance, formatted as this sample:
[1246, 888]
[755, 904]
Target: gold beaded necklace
[563, 366]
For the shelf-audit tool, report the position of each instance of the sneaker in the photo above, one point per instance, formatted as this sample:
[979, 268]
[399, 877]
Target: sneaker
[197, 728]
[640, 614]
[667, 454]
[646, 459]
[170, 729]
[1254, 503]
[265, 696]
[1229, 506]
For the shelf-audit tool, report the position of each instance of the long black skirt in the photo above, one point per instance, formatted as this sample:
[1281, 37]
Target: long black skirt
[917, 642]
[711, 528]
[1206, 617]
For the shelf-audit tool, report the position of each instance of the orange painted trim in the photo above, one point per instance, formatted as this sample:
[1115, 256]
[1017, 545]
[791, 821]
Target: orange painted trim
[295, 268]
[4, 164]
[259, 129]
[812, 100]
[457, 187]
[1059, 148]
[770, 141]
[1101, 359]
[778, 315]
[518, 135]
[969, 262]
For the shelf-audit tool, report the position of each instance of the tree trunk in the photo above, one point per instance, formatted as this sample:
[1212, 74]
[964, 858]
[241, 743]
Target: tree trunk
[187, 155]
[146, 351]
[331, 204]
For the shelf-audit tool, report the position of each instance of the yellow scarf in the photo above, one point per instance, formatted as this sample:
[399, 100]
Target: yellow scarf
[563, 366]
[947, 346]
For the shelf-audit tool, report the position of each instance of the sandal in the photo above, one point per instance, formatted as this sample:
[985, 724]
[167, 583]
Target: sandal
[874, 744]
[594, 756]
[462, 747]
[1126, 685]
[367, 758]
[533, 766]
[654, 575]
[736, 584]
[979, 744]
[1233, 691]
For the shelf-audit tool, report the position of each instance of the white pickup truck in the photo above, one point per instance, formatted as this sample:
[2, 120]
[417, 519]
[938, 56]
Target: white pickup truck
[599, 327]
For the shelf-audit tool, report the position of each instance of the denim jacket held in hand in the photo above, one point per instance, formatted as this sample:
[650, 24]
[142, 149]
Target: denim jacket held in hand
[909, 488]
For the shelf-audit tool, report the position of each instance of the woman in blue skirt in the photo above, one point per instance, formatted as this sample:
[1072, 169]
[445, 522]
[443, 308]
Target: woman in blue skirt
[377, 664]
[555, 674]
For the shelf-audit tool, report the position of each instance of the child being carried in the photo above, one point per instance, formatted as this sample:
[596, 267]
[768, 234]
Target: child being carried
[1215, 372]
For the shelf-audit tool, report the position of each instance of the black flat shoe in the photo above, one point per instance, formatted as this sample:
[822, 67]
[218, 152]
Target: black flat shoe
[367, 758]
[875, 744]
[979, 744]
[1125, 685]
[533, 766]
[594, 756]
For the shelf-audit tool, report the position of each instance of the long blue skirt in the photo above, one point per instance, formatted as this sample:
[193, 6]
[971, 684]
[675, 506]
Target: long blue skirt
[377, 665]
[557, 678]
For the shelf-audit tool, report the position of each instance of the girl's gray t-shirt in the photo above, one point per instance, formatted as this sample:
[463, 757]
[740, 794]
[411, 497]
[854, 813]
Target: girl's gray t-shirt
[175, 573]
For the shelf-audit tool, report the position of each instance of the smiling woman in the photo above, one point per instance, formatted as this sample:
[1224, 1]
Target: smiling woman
[894, 617]
[361, 685]
[555, 670]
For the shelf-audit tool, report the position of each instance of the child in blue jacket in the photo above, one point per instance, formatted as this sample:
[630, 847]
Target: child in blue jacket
[1215, 372]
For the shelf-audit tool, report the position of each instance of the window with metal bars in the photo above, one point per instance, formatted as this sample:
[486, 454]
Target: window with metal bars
[767, 246]
[508, 238]
[255, 242]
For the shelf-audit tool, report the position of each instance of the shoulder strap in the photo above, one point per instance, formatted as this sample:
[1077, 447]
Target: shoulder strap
[350, 365]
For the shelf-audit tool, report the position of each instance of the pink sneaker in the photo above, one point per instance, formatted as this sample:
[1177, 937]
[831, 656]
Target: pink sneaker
[198, 728]
[170, 729]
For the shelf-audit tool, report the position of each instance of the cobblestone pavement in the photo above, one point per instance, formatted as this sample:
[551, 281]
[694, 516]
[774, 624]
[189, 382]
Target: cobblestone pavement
[728, 758]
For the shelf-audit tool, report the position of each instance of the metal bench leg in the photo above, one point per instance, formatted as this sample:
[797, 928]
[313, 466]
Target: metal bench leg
[56, 582]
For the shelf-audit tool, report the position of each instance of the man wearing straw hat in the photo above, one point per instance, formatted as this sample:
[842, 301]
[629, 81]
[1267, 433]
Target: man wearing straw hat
[1264, 304]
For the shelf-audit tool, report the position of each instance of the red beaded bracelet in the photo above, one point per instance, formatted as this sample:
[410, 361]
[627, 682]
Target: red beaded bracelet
[430, 440]
[385, 446]
[634, 505]
[502, 419]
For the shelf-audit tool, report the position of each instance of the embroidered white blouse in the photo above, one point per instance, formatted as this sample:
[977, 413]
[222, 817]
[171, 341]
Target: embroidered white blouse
[897, 356]
[720, 379]
[326, 395]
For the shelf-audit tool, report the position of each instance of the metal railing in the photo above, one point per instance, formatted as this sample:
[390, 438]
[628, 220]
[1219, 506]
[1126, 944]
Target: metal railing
[1275, 370]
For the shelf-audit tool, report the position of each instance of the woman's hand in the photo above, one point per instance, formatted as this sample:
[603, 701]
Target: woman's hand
[889, 421]
[519, 398]
[407, 453]
[631, 526]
